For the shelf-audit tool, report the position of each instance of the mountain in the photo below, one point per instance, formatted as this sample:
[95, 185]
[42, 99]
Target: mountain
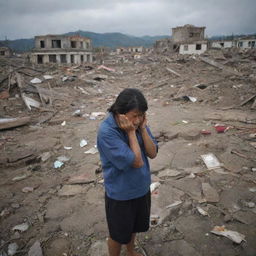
[111, 40]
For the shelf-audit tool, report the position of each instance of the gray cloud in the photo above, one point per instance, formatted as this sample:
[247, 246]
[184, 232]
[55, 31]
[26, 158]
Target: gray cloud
[27, 18]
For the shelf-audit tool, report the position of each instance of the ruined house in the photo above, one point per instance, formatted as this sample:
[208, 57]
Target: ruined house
[5, 51]
[226, 43]
[189, 39]
[133, 49]
[248, 42]
[62, 49]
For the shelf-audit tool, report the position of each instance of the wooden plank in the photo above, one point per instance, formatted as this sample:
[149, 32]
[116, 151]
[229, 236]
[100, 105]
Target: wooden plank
[7, 123]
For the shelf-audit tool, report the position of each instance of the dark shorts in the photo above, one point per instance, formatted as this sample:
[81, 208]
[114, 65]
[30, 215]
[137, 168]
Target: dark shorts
[127, 217]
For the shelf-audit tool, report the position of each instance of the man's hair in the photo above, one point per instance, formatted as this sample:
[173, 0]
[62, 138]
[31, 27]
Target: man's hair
[129, 99]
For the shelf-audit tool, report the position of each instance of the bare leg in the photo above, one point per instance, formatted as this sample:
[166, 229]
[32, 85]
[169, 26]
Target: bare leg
[114, 248]
[130, 247]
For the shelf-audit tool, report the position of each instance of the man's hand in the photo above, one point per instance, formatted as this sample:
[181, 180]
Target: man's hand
[124, 123]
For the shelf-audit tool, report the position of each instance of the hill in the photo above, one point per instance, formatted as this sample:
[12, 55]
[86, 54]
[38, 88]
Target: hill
[111, 40]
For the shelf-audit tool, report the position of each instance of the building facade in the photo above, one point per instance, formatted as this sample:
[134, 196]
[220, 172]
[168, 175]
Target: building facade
[61, 49]
[133, 49]
[246, 43]
[187, 33]
[223, 43]
[5, 51]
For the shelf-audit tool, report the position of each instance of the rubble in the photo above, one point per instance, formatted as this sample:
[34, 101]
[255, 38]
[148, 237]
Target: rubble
[202, 116]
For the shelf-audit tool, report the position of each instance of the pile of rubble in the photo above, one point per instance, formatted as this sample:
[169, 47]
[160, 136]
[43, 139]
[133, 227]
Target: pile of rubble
[202, 112]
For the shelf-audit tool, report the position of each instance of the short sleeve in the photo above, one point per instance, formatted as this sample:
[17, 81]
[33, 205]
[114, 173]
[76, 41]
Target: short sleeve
[114, 147]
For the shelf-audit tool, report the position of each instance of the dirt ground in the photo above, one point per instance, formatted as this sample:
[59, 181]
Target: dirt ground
[62, 209]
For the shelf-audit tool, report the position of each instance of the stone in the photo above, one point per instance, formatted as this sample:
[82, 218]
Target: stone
[71, 190]
[12, 249]
[22, 227]
[82, 178]
[210, 193]
[35, 250]
[168, 173]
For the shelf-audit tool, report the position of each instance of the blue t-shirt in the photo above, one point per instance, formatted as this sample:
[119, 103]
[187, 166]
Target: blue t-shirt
[122, 181]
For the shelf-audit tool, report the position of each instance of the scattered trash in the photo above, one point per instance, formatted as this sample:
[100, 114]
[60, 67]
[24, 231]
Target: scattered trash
[36, 81]
[12, 249]
[27, 189]
[154, 186]
[93, 151]
[184, 121]
[106, 68]
[29, 102]
[211, 161]
[18, 178]
[47, 77]
[221, 128]
[232, 235]
[94, 115]
[202, 211]
[57, 164]
[67, 148]
[77, 113]
[176, 203]
[21, 227]
[192, 99]
[83, 143]
[205, 132]
[63, 123]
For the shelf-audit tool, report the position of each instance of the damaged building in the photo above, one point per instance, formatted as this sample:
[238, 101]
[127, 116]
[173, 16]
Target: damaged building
[62, 49]
[5, 51]
[189, 39]
[134, 49]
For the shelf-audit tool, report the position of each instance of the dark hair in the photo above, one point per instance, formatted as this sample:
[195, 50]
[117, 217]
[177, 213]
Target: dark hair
[127, 100]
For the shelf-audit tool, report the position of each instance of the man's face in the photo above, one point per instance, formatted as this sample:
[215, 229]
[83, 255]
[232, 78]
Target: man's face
[136, 117]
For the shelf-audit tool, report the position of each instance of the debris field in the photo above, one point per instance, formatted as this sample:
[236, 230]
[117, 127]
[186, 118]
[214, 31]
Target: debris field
[202, 112]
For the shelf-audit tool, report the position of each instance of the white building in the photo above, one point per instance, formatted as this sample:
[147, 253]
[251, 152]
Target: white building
[246, 43]
[223, 44]
[198, 47]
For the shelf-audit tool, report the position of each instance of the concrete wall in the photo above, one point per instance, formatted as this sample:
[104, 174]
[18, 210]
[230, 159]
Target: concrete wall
[87, 57]
[191, 48]
[246, 43]
[187, 33]
[4, 51]
[223, 44]
[65, 42]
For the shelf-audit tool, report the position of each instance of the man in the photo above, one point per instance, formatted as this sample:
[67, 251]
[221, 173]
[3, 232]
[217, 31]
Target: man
[124, 142]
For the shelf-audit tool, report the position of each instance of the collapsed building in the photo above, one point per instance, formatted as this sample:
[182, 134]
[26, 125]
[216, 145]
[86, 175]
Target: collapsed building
[189, 39]
[134, 49]
[248, 42]
[61, 49]
[5, 51]
[186, 39]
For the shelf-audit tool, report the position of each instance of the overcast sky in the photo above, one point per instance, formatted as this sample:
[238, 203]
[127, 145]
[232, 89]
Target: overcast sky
[27, 18]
